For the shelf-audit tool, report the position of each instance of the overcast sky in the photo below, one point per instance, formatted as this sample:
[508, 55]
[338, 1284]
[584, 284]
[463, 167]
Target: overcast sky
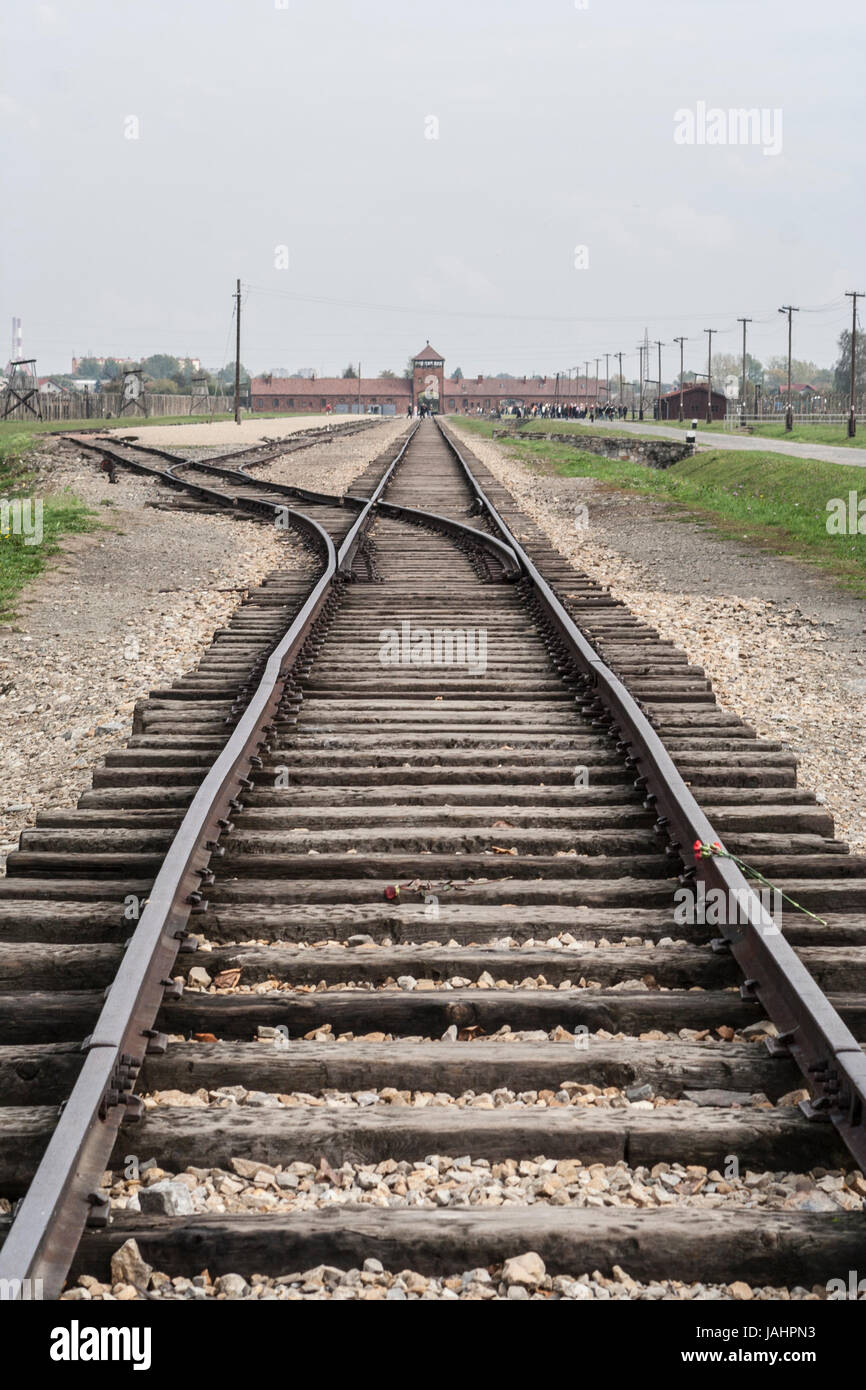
[306, 125]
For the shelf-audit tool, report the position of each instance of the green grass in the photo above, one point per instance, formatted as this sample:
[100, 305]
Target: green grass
[62, 513]
[775, 502]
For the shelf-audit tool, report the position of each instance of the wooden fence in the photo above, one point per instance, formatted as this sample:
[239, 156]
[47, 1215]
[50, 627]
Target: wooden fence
[86, 405]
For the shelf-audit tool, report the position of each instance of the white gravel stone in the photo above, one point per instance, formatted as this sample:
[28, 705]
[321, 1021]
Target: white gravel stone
[374, 1283]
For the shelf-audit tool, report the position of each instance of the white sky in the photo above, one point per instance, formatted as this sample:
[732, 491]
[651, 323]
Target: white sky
[304, 126]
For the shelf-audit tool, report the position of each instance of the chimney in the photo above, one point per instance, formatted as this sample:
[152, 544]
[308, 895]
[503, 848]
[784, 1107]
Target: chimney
[478, 380]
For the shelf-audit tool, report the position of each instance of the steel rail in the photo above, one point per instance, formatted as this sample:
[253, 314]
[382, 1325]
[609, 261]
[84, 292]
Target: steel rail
[353, 538]
[288, 489]
[64, 1194]
[208, 466]
[458, 531]
[168, 477]
[49, 1222]
[810, 1030]
[212, 466]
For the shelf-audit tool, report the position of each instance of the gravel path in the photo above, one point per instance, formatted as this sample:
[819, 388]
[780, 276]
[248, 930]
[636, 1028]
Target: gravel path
[854, 456]
[783, 646]
[225, 432]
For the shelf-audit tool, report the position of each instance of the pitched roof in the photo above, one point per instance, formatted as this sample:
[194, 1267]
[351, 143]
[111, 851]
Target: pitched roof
[690, 386]
[428, 351]
[330, 386]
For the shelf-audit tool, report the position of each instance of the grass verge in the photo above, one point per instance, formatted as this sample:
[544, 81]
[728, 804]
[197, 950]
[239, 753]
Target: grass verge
[777, 503]
[29, 532]
[576, 427]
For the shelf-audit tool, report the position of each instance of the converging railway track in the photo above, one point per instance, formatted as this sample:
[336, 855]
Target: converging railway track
[369, 945]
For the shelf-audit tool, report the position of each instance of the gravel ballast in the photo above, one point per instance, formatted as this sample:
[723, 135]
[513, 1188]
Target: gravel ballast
[460, 1181]
[520, 1278]
[129, 607]
[783, 646]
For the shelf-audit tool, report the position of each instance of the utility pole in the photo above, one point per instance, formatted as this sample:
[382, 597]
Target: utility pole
[681, 341]
[710, 331]
[607, 378]
[586, 386]
[790, 310]
[359, 388]
[853, 295]
[597, 360]
[659, 400]
[744, 321]
[640, 409]
[238, 354]
[621, 400]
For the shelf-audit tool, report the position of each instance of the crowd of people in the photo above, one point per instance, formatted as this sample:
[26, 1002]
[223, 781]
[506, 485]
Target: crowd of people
[565, 411]
[555, 411]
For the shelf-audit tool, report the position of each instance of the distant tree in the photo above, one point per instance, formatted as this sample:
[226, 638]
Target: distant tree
[350, 374]
[754, 369]
[409, 370]
[724, 364]
[160, 366]
[457, 374]
[824, 378]
[730, 364]
[842, 369]
[804, 371]
[226, 376]
[388, 374]
[163, 386]
[776, 372]
[183, 377]
[112, 369]
[88, 368]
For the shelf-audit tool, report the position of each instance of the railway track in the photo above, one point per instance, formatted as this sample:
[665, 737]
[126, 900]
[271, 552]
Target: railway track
[424, 810]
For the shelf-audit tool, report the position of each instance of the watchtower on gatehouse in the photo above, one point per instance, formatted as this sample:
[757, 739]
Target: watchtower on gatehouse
[428, 379]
